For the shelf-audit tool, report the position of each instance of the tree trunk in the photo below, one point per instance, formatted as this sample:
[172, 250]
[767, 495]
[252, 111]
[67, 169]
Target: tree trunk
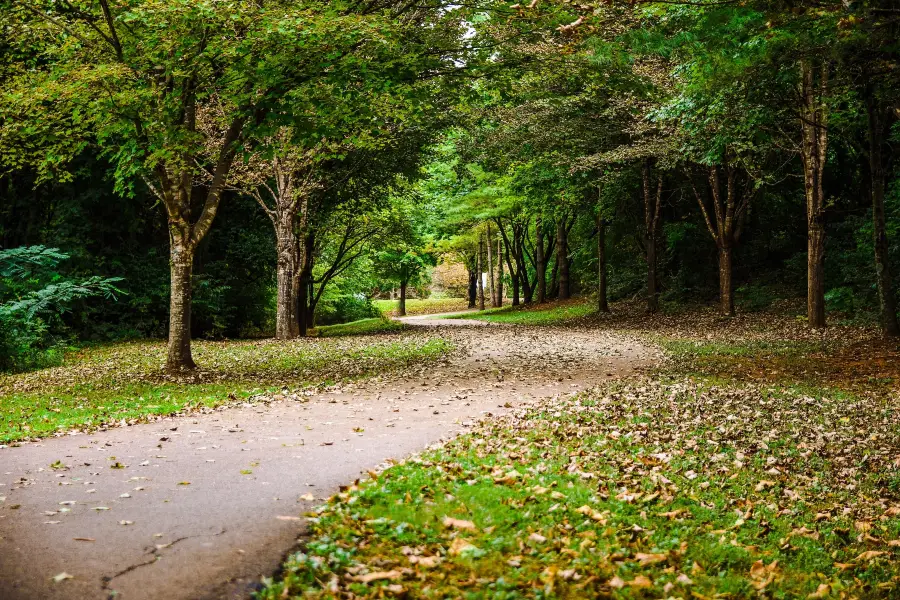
[286, 306]
[302, 305]
[311, 308]
[889, 324]
[651, 227]
[602, 302]
[181, 265]
[304, 283]
[562, 259]
[473, 288]
[652, 292]
[514, 281]
[726, 289]
[814, 122]
[540, 261]
[499, 272]
[490, 259]
[480, 269]
[401, 308]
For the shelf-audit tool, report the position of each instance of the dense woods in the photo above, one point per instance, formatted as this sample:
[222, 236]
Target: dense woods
[214, 169]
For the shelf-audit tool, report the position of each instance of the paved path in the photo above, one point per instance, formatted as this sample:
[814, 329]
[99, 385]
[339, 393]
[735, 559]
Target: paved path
[205, 505]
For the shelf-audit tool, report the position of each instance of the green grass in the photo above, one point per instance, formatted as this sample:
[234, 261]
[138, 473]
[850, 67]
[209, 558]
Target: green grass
[422, 306]
[547, 314]
[645, 489]
[104, 384]
[361, 327]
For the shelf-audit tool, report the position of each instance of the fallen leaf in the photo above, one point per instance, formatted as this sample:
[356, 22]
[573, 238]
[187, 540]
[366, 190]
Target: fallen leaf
[62, 577]
[378, 576]
[650, 559]
[451, 523]
[460, 545]
[640, 582]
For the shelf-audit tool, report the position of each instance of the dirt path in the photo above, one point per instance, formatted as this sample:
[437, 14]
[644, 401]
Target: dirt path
[203, 506]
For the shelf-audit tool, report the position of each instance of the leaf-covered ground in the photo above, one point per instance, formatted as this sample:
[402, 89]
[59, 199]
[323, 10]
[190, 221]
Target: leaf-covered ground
[655, 489]
[757, 463]
[104, 385]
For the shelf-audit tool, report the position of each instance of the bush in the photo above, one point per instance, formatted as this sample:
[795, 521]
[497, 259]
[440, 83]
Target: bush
[33, 298]
[344, 309]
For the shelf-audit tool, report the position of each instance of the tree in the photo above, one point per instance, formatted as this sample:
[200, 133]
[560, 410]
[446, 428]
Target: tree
[137, 76]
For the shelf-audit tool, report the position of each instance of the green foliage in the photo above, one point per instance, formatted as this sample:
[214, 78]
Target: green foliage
[33, 298]
[345, 308]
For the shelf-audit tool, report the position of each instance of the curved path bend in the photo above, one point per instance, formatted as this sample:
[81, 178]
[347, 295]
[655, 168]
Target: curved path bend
[206, 505]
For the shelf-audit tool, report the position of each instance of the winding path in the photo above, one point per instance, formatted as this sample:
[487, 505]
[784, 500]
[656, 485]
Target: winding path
[205, 505]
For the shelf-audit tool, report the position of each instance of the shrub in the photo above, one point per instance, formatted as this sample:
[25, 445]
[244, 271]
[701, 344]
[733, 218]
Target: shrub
[33, 298]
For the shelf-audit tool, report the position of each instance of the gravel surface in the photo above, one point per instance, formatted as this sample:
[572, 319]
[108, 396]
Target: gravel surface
[203, 506]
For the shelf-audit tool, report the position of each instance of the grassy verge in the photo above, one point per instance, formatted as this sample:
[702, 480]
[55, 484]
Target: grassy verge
[103, 385]
[361, 327]
[647, 489]
[422, 306]
[533, 314]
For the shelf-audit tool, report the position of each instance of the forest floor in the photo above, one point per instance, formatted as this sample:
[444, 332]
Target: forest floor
[761, 459]
[203, 503]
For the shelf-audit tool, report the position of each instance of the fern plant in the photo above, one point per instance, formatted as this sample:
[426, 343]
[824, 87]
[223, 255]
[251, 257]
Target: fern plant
[33, 296]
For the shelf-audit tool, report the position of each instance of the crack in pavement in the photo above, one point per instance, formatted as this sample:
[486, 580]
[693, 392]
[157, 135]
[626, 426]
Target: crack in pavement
[154, 552]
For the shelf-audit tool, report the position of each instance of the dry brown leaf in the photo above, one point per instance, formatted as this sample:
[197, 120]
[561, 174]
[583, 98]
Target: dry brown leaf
[377, 576]
[460, 545]
[641, 582]
[451, 523]
[645, 559]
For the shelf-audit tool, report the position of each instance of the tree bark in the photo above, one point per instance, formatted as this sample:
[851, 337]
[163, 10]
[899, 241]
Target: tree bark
[473, 288]
[726, 289]
[602, 302]
[814, 129]
[887, 301]
[499, 272]
[562, 259]
[651, 228]
[480, 270]
[540, 265]
[286, 306]
[303, 283]
[490, 260]
[401, 308]
[181, 264]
